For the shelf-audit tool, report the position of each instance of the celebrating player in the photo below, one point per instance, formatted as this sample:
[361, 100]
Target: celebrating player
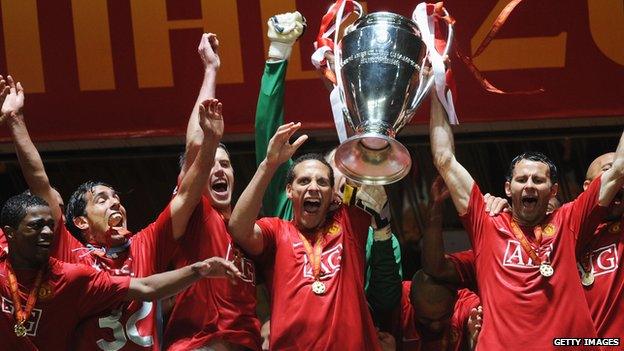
[525, 260]
[318, 259]
[44, 299]
[215, 315]
[97, 219]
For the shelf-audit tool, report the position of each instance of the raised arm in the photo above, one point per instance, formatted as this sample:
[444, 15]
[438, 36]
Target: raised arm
[194, 181]
[283, 31]
[27, 154]
[434, 261]
[613, 179]
[208, 52]
[162, 285]
[242, 225]
[456, 177]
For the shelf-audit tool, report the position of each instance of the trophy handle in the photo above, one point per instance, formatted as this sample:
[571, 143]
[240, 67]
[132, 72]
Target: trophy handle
[338, 62]
[420, 95]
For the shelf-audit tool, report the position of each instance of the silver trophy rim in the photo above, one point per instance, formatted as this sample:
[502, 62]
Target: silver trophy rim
[399, 151]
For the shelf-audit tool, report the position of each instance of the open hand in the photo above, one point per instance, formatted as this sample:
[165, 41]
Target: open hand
[217, 267]
[280, 149]
[495, 205]
[211, 118]
[14, 101]
[475, 320]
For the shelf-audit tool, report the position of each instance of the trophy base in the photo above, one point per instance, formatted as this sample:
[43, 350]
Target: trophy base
[373, 159]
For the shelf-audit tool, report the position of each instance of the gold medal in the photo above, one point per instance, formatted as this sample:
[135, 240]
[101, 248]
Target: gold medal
[587, 279]
[546, 270]
[318, 287]
[20, 330]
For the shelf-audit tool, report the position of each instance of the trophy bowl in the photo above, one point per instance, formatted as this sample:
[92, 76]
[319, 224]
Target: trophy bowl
[381, 80]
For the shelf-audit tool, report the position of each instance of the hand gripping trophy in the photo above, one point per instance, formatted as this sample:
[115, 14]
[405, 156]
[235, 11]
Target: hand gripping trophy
[385, 64]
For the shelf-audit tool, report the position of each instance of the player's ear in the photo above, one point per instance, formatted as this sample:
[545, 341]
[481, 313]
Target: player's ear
[81, 222]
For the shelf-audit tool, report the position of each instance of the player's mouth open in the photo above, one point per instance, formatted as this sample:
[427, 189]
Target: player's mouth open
[529, 201]
[311, 205]
[219, 186]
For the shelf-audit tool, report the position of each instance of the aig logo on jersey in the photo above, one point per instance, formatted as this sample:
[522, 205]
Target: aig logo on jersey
[516, 257]
[604, 260]
[244, 265]
[330, 263]
[33, 321]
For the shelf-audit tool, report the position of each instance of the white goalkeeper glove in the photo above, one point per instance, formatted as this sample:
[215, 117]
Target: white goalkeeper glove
[284, 30]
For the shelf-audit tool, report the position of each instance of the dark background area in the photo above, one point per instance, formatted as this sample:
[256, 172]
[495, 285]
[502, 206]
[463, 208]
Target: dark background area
[146, 176]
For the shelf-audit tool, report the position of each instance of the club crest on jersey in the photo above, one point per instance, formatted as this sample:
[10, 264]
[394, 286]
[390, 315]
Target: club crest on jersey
[33, 322]
[244, 265]
[334, 229]
[604, 260]
[549, 230]
[516, 257]
[45, 291]
[330, 262]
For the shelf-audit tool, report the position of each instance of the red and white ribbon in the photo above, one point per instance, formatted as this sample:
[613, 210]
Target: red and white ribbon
[330, 24]
[426, 16]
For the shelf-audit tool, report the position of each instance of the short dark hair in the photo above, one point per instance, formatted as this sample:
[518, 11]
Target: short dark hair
[182, 156]
[536, 157]
[76, 206]
[290, 176]
[15, 208]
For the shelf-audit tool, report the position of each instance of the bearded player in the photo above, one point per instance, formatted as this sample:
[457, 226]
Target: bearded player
[525, 261]
[97, 221]
[218, 315]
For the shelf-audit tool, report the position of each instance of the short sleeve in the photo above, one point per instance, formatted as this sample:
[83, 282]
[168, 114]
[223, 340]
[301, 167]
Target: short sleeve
[269, 226]
[464, 262]
[586, 213]
[155, 244]
[360, 221]
[466, 301]
[65, 245]
[475, 217]
[98, 290]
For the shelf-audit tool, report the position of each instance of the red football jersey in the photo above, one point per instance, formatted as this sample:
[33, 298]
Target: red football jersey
[336, 320]
[131, 326]
[606, 295]
[464, 262]
[68, 294]
[521, 308]
[3, 241]
[213, 309]
[413, 340]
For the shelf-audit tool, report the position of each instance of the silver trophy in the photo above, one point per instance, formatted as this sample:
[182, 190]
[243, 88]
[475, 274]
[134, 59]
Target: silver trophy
[382, 81]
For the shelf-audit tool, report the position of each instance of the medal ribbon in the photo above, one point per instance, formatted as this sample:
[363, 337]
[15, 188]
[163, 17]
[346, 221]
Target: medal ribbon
[314, 253]
[524, 242]
[21, 316]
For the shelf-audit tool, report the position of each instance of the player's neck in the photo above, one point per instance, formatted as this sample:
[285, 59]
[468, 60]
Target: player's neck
[225, 212]
[21, 262]
[528, 223]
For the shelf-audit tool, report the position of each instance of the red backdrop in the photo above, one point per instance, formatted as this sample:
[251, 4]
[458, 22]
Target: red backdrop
[97, 69]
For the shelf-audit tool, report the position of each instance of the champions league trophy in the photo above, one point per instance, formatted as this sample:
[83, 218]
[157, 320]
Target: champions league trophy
[382, 75]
